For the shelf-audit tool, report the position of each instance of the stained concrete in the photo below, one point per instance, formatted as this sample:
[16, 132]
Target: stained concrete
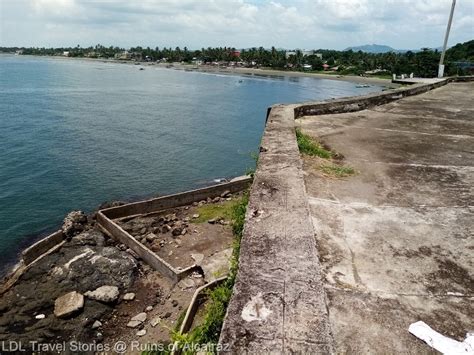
[396, 240]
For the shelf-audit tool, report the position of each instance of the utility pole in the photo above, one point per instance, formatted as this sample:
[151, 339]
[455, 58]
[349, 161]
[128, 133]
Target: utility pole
[441, 60]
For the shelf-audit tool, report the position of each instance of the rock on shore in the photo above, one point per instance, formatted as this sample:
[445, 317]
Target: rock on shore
[54, 288]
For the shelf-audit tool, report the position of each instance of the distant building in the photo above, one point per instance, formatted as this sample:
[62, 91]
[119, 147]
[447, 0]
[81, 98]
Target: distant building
[235, 54]
[326, 66]
[66, 54]
[307, 66]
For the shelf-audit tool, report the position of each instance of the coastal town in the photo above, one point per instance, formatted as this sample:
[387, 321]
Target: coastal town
[422, 62]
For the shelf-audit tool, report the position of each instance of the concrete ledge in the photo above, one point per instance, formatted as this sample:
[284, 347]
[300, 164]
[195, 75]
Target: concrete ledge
[358, 103]
[42, 246]
[278, 304]
[105, 219]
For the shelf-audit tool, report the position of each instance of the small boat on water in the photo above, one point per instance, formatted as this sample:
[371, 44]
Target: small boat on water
[142, 68]
[362, 86]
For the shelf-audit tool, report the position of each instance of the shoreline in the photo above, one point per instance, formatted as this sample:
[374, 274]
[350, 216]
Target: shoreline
[11, 264]
[235, 71]
[275, 72]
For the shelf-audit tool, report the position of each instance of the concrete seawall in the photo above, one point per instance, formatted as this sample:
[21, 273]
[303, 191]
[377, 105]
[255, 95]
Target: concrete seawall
[279, 304]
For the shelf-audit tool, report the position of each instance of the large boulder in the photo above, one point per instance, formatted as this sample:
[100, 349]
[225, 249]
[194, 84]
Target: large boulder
[106, 294]
[68, 305]
[74, 223]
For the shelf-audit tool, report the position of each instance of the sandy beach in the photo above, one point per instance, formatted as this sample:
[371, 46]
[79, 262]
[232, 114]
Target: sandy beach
[255, 71]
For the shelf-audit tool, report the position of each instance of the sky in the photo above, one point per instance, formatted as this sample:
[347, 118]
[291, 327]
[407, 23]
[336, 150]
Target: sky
[290, 24]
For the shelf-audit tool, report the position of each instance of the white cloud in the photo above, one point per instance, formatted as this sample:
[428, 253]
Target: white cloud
[240, 23]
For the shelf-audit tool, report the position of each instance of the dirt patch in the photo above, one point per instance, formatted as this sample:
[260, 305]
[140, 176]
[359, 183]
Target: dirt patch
[450, 277]
[187, 235]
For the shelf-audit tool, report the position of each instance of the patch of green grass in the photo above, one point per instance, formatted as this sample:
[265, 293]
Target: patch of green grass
[180, 320]
[218, 298]
[216, 211]
[309, 146]
[337, 170]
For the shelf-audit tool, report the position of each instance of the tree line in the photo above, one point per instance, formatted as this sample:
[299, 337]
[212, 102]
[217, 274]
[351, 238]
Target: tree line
[423, 63]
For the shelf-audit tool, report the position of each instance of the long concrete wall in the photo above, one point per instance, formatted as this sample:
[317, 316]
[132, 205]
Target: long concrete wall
[279, 304]
[176, 200]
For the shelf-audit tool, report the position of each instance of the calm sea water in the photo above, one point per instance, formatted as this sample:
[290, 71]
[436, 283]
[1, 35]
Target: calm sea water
[76, 133]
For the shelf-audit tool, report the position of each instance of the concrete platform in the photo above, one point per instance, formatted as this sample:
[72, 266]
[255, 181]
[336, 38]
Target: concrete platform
[396, 241]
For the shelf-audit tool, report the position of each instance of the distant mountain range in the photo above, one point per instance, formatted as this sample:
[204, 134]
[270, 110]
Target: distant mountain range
[381, 48]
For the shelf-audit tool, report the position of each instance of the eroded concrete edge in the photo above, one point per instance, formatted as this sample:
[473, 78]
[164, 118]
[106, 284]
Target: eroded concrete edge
[278, 304]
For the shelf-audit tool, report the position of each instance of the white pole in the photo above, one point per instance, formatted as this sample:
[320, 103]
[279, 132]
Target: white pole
[441, 60]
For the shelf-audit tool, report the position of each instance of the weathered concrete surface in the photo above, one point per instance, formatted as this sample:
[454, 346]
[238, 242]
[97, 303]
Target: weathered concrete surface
[279, 302]
[396, 240]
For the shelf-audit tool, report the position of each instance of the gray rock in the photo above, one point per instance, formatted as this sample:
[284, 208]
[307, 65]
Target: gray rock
[40, 316]
[167, 315]
[90, 268]
[212, 221]
[141, 333]
[89, 237]
[97, 324]
[133, 324]
[68, 304]
[216, 199]
[177, 231]
[141, 317]
[149, 308]
[196, 215]
[106, 294]
[155, 321]
[150, 237]
[74, 223]
[130, 296]
[174, 303]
